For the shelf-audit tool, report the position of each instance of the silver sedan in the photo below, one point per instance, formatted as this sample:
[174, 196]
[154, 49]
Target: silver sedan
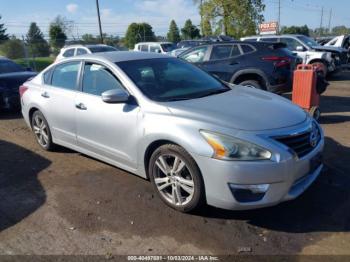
[198, 140]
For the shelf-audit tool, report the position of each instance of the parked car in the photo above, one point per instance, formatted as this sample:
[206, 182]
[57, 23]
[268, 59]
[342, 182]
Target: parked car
[218, 38]
[342, 41]
[12, 76]
[196, 138]
[155, 47]
[328, 58]
[267, 66]
[75, 50]
[184, 45]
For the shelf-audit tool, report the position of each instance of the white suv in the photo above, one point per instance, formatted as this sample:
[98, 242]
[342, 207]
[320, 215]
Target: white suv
[75, 50]
[155, 47]
[307, 49]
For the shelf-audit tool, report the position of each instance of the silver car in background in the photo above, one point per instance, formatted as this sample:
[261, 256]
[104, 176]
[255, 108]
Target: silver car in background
[197, 139]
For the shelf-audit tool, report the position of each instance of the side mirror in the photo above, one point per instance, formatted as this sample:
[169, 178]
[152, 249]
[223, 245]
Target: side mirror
[115, 96]
[300, 48]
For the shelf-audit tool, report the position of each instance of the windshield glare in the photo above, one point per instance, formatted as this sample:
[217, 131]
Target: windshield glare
[308, 41]
[169, 79]
[7, 66]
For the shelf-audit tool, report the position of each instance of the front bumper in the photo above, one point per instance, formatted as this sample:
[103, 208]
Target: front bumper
[287, 179]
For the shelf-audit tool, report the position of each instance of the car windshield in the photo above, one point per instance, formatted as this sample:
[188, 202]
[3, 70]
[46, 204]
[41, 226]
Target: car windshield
[308, 41]
[170, 79]
[7, 66]
[168, 47]
[100, 49]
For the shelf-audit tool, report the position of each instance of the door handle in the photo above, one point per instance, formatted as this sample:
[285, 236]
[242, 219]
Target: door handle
[45, 95]
[81, 106]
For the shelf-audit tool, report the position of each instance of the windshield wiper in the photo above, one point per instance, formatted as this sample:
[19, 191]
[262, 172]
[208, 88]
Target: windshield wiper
[214, 92]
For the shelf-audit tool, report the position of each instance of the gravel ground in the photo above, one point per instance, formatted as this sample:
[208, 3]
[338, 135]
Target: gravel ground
[67, 203]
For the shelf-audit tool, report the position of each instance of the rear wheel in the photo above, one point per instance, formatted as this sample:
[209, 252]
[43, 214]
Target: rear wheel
[42, 131]
[252, 84]
[176, 177]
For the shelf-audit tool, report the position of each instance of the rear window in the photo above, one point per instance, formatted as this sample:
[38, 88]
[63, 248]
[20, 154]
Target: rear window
[101, 49]
[7, 66]
[69, 52]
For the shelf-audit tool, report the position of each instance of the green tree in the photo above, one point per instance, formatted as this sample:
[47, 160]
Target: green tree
[303, 30]
[235, 18]
[90, 39]
[38, 46]
[57, 37]
[189, 31]
[13, 48]
[340, 30]
[173, 34]
[3, 35]
[138, 32]
[206, 27]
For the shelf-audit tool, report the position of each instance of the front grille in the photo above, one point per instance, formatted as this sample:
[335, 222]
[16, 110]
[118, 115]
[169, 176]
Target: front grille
[301, 144]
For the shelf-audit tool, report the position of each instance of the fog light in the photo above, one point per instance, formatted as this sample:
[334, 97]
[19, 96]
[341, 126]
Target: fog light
[249, 193]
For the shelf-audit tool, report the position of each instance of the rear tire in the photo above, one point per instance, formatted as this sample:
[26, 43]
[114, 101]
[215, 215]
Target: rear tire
[252, 84]
[322, 67]
[42, 131]
[176, 178]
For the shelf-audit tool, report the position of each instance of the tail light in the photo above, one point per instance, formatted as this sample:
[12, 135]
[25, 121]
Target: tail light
[279, 61]
[22, 90]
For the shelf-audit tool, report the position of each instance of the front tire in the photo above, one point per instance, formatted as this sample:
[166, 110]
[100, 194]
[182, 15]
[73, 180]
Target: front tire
[42, 131]
[176, 178]
[252, 84]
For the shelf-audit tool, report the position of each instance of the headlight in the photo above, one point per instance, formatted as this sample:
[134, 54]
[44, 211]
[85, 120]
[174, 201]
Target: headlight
[230, 148]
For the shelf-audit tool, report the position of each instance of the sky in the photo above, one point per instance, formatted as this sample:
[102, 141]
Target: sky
[116, 15]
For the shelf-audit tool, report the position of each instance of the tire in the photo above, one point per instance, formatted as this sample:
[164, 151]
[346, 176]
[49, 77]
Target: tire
[42, 131]
[178, 182]
[252, 84]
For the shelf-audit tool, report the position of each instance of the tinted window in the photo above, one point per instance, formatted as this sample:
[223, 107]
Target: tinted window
[81, 51]
[272, 39]
[308, 41]
[154, 48]
[69, 53]
[235, 51]
[98, 79]
[247, 49]
[169, 79]
[221, 52]
[291, 43]
[7, 66]
[100, 49]
[144, 48]
[65, 75]
[168, 47]
[196, 55]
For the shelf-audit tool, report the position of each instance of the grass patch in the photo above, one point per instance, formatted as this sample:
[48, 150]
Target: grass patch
[37, 64]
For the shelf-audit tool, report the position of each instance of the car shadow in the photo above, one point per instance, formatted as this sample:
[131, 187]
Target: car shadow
[341, 76]
[324, 207]
[10, 115]
[21, 193]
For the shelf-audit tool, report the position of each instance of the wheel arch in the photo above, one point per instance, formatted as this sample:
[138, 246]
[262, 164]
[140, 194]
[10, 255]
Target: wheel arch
[253, 74]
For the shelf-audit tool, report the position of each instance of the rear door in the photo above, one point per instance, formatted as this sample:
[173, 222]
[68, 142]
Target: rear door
[59, 101]
[223, 61]
[108, 130]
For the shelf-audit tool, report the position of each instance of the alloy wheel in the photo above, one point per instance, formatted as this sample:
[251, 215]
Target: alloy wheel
[41, 131]
[174, 180]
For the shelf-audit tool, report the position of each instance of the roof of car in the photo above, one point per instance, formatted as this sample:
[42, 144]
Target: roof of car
[121, 56]
[81, 45]
[268, 36]
[147, 43]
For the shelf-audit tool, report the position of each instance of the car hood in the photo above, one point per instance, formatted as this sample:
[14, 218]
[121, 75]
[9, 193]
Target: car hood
[241, 108]
[331, 49]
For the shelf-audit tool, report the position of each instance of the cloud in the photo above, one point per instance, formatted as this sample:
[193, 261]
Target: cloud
[106, 12]
[72, 8]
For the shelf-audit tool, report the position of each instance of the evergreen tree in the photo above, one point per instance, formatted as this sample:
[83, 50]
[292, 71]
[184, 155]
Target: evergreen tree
[38, 46]
[138, 32]
[189, 31]
[173, 34]
[57, 37]
[3, 35]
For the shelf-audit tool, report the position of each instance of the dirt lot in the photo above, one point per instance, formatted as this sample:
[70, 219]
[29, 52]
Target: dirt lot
[67, 203]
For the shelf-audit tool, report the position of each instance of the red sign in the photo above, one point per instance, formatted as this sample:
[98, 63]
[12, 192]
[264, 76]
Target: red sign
[268, 28]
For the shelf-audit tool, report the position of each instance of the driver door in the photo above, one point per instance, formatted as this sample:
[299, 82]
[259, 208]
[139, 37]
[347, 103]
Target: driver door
[105, 130]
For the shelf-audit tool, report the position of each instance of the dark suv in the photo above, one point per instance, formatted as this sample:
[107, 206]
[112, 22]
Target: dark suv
[263, 65]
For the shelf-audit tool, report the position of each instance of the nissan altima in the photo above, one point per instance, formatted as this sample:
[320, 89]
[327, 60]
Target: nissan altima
[198, 140]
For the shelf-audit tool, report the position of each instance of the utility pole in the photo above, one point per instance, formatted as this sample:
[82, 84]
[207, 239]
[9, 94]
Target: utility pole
[321, 23]
[330, 20]
[201, 12]
[279, 16]
[99, 21]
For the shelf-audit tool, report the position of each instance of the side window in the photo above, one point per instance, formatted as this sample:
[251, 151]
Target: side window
[247, 49]
[47, 77]
[144, 48]
[291, 43]
[196, 55]
[98, 79]
[154, 48]
[69, 52]
[81, 51]
[220, 52]
[235, 51]
[66, 75]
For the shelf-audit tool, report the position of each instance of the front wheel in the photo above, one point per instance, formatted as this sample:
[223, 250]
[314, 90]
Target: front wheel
[251, 84]
[42, 131]
[176, 177]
